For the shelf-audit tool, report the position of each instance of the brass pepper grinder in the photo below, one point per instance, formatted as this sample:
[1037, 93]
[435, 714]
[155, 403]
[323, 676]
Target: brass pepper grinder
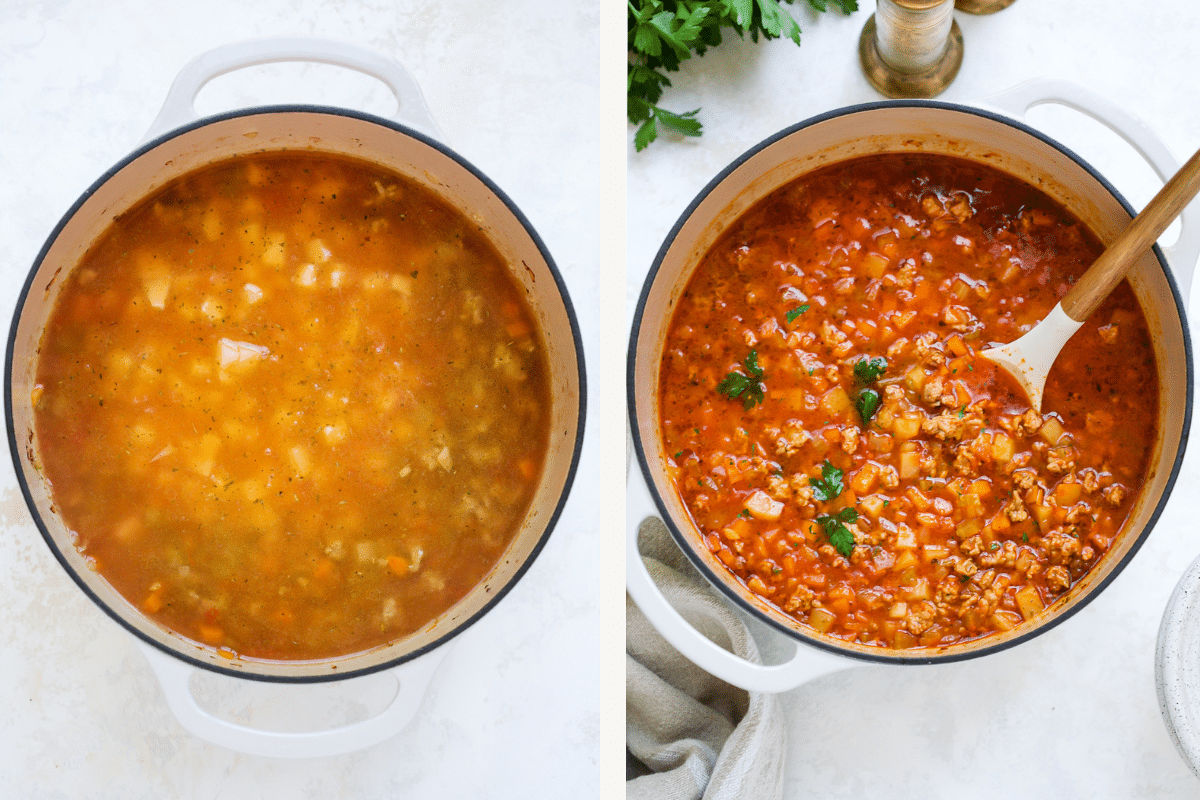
[982, 6]
[911, 48]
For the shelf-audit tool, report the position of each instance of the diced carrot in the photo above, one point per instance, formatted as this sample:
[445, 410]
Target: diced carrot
[398, 565]
[517, 329]
[527, 469]
[225, 652]
[863, 481]
[153, 603]
[210, 634]
[324, 570]
[956, 345]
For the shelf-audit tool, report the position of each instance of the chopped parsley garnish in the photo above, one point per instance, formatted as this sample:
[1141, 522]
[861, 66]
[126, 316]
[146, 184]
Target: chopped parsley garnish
[835, 528]
[868, 370]
[795, 312]
[994, 546]
[962, 411]
[829, 485]
[964, 578]
[1024, 537]
[867, 404]
[748, 387]
[677, 455]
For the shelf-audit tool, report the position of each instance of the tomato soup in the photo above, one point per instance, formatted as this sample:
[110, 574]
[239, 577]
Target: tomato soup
[838, 441]
[292, 406]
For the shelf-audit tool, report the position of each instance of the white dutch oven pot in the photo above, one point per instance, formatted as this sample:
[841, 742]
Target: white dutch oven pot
[977, 134]
[177, 143]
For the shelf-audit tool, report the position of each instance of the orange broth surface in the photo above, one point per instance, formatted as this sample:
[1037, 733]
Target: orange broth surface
[837, 440]
[292, 406]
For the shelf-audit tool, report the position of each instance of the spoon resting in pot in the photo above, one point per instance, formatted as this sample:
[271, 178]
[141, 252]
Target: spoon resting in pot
[1029, 358]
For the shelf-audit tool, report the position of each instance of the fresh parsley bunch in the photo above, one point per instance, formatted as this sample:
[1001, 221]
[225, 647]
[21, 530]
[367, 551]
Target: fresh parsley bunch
[662, 33]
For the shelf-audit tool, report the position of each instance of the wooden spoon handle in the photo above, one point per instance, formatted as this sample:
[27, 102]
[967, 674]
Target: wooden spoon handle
[1087, 294]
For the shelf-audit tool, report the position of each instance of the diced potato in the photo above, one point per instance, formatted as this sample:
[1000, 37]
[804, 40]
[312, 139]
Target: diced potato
[968, 528]
[835, 402]
[301, 460]
[1051, 430]
[907, 426]
[1005, 620]
[401, 284]
[307, 276]
[317, 252]
[335, 434]
[253, 293]
[915, 379]
[872, 505]
[1029, 602]
[906, 539]
[899, 610]
[903, 640]
[875, 265]
[762, 506]
[935, 551]
[157, 284]
[919, 590]
[274, 249]
[1003, 448]
[971, 505]
[210, 225]
[910, 464]
[1042, 514]
[821, 619]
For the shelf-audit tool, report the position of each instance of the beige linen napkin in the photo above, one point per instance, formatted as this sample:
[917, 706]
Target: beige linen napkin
[698, 737]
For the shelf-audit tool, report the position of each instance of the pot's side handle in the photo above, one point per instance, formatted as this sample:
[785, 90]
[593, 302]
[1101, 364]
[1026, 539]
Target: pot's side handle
[179, 107]
[807, 664]
[413, 678]
[1015, 102]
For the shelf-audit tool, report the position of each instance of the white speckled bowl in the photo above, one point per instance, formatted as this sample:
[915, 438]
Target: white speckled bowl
[1177, 666]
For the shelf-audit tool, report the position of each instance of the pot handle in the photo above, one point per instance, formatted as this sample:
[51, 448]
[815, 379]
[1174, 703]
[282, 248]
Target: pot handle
[179, 107]
[413, 678]
[806, 664]
[1017, 101]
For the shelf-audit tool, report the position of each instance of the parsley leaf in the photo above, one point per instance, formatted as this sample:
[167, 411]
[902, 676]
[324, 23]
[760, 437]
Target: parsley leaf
[664, 33]
[829, 485]
[795, 312]
[750, 389]
[867, 404]
[835, 528]
[868, 370]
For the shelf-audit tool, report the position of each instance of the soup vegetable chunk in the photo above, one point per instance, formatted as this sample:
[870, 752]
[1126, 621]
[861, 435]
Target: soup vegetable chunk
[838, 441]
[292, 406]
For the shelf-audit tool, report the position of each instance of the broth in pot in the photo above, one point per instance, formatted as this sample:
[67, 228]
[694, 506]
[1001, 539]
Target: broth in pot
[292, 406]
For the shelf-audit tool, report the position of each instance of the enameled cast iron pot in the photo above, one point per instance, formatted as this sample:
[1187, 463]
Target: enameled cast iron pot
[979, 135]
[178, 143]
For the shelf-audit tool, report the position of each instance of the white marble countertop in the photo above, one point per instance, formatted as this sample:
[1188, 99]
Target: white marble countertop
[1070, 714]
[513, 710]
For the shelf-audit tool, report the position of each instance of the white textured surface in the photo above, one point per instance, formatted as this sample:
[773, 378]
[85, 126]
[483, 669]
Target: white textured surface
[513, 711]
[1073, 713]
